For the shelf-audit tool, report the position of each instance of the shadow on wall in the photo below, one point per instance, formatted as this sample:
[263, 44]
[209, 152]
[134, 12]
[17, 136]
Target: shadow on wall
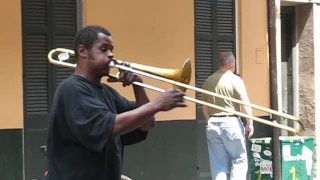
[304, 12]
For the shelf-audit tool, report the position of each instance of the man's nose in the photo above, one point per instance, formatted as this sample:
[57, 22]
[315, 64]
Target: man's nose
[110, 54]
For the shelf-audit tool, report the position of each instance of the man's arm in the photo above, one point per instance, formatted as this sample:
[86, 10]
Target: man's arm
[249, 126]
[134, 137]
[92, 123]
[205, 109]
[205, 112]
[242, 93]
[130, 120]
[141, 133]
[247, 110]
[141, 99]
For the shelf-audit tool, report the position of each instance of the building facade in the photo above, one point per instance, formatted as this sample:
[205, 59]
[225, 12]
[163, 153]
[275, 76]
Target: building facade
[161, 34]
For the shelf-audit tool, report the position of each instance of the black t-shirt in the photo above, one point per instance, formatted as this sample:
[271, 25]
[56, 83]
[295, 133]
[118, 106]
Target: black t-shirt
[80, 144]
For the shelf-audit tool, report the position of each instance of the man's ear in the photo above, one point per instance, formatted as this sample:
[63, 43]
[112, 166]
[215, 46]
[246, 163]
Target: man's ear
[82, 51]
[233, 64]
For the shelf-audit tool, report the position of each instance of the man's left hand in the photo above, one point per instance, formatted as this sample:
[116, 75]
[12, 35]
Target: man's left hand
[127, 78]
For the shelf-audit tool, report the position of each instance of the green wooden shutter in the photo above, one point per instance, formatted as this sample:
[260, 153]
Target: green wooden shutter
[36, 76]
[35, 45]
[37, 89]
[46, 24]
[64, 30]
[214, 32]
[226, 26]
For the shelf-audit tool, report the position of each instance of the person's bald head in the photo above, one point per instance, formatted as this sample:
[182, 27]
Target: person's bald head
[226, 60]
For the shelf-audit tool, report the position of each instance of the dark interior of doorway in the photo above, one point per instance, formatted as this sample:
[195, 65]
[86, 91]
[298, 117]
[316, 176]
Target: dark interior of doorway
[287, 45]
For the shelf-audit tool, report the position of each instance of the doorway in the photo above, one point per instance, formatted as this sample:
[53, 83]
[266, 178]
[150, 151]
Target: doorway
[287, 50]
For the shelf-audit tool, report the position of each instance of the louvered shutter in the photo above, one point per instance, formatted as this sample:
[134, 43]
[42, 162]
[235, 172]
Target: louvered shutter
[46, 24]
[64, 30]
[35, 39]
[215, 32]
[226, 30]
[36, 72]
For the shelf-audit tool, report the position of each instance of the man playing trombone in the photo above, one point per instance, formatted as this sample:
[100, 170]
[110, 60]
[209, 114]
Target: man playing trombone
[90, 122]
[225, 132]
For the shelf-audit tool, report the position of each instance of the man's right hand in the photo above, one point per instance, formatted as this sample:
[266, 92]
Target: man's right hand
[170, 99]
[249, 129]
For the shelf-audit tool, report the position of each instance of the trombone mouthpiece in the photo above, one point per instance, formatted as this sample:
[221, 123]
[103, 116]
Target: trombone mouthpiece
[111, 64]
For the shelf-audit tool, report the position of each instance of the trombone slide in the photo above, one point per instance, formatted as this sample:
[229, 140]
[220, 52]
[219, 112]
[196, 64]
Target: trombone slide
[202, 102]
[179, 78]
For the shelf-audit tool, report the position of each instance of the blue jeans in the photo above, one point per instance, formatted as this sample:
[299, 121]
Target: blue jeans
[226, 141]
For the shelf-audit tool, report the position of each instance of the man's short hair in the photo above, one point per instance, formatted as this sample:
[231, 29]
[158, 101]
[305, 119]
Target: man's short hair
[225, 57]
[87, 35]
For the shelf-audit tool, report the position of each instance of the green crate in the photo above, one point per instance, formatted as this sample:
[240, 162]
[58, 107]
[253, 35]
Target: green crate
[296, 158]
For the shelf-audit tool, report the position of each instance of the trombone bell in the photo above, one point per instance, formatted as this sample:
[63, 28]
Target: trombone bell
[182, 75]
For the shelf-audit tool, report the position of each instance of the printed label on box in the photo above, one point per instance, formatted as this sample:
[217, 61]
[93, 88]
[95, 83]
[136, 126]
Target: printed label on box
[266, 167]
[256, 148]
[267, 153]
[256, 155]
[286, 150]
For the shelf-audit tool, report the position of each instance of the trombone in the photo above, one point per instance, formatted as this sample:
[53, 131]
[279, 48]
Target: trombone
[180, 78]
